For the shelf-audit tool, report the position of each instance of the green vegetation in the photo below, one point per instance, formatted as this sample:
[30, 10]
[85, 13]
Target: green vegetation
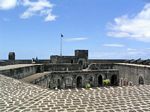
[106, 82]
[87, 86]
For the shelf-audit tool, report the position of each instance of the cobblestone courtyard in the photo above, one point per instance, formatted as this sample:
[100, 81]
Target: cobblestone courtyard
[16, 96]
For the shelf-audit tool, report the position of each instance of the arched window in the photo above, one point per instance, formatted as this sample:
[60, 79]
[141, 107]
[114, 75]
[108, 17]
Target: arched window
[71, 61]
[100, 80]
[38, 70]
[114, 80]
[58, 84]
[80, 62]
[141, 80]
[79, 82]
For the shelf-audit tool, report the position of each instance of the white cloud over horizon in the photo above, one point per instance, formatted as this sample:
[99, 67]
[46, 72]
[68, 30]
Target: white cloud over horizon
[131, 49]
[113, 45]
[75, 39]
[39, 7]
[7, 4]
[135, 27]
[128, 53]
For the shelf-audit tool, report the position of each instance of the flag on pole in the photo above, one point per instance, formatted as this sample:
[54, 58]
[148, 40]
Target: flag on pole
[62, 35]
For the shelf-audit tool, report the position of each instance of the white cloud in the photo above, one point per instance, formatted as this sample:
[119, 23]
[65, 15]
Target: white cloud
[113, 45]
[136, 27]
[138, 53]
[36, 7]
[40, 7]
[75, 39]
[49, 16]
[131, 49]
[7, 4]
[134, 52]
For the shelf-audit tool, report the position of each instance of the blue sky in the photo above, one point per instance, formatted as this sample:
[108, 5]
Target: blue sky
[109, 29]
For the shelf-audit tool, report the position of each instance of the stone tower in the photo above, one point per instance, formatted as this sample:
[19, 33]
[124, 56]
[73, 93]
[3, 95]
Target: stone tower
[11, 56]
[82, 56]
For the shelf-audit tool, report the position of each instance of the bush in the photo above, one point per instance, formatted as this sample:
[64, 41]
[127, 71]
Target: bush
[106, 82]
[87, 86]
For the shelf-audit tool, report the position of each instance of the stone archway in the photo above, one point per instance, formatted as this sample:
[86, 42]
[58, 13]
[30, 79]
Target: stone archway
[58, 84]
[100, 80]
[141, 80]
[38, 70]
[49, 85]
[81, 62]
[114, 80]
[79, 82]
[72, 61]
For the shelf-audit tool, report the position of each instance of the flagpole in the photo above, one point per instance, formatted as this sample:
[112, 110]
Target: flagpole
[61, 45]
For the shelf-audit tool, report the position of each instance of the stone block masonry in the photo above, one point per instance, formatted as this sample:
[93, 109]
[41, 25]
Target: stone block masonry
[133, 74]
[21, 70]
[73, 79]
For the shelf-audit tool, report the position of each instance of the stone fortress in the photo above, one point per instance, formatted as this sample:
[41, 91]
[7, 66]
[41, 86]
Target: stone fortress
[76, 71]
[28, 85]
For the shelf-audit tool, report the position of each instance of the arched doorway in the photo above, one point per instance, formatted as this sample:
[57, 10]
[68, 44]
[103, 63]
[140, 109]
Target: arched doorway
[81, 62]
[38, 70]
[72, 61]
[114, 80]
[100, 80]
[49, 85]
[58, 84]
[79, 82]
[141, 80]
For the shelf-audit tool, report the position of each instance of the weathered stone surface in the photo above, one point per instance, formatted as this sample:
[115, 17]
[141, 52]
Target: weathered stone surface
[16, 96]
[20, 71]
[133, 74]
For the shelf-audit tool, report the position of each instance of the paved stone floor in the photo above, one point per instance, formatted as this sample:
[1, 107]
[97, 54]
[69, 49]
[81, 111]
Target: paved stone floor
[16, 96]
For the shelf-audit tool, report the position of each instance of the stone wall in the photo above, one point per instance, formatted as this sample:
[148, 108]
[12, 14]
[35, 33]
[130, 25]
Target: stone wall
[8, 62]
[63, 59]
[98, 66]
[133, 74]
[81, 54]
[66, 59]
[62, 67]
[22, 71]
[73, 79]
[106, 61]
[27, 61]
